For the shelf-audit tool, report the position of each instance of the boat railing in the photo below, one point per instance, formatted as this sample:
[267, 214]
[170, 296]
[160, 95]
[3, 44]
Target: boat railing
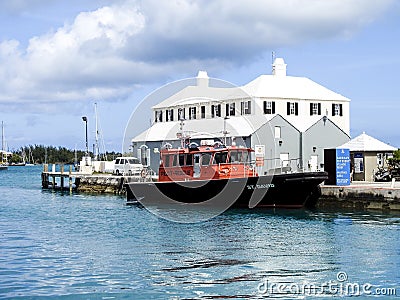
[280, 166]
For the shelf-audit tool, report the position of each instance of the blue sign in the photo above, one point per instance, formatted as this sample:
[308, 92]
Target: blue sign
[342, 167]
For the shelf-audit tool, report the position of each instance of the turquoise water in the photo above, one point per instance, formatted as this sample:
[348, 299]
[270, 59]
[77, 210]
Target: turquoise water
[96, 247]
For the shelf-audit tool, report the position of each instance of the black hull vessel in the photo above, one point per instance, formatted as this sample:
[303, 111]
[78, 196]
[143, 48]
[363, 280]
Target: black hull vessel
[292, 190]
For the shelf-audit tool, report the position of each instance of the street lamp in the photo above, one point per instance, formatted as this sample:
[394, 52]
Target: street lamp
[84, 119]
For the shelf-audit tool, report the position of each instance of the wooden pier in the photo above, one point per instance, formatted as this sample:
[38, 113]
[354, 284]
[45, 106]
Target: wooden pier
[49, 178]
[98, 183]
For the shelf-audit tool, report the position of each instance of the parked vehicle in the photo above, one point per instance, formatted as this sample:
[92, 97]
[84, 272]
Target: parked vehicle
[127, 166]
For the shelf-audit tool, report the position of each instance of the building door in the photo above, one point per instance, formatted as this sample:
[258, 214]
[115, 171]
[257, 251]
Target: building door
[196, 166]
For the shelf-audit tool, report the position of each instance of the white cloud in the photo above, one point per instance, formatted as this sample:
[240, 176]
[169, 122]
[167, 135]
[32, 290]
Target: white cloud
[106, 52]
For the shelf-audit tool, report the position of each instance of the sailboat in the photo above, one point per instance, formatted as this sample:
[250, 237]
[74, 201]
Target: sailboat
[3, 152]
[30, 161]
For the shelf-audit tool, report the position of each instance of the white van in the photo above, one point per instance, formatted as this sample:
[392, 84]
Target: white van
[127, 166]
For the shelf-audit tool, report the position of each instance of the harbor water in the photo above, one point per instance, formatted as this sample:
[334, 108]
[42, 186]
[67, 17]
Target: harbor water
[79, 246]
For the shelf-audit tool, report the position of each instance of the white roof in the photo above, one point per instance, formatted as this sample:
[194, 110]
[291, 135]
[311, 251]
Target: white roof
[199, 94]
[290, 87]
[203, 128]
[365, 143]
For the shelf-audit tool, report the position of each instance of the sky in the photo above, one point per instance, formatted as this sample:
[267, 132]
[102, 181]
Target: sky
[58, 58]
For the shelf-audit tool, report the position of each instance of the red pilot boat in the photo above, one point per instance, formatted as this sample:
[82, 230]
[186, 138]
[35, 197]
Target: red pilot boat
[223, 176]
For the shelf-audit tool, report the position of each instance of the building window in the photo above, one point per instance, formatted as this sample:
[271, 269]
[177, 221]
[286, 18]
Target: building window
[181, 113]
[215, 111]
[203, 112]
[230, 109]
[277, 132]
[292, 108]
[169, 115]
[192, 113]
[315, 109]
[158, 116]
[337, 110]
[245, 107]
[269, 107]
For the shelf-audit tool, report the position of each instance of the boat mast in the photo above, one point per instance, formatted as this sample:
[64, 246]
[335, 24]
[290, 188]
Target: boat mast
[96, 148]
[2, 135]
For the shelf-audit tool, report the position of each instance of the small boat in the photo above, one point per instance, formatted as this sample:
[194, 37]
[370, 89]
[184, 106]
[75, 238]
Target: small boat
[219, 175]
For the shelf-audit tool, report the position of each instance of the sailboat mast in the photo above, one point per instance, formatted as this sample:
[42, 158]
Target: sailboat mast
[96, 149]
[2, 136]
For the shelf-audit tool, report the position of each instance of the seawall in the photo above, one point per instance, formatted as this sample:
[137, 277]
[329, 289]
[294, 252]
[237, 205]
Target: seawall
[361, 196]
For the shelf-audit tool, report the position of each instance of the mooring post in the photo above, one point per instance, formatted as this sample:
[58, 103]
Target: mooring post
[62, 176]
[70, 179]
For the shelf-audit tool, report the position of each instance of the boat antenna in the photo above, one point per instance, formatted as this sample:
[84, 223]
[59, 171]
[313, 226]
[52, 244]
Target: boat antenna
[225, 132]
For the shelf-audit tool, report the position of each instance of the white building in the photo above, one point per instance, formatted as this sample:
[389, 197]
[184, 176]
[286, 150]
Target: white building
[293, 118]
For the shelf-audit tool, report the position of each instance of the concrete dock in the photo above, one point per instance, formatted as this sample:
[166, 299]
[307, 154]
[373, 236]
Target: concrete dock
[361, 196]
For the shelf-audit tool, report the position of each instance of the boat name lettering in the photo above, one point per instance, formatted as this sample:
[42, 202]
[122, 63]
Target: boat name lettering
[260, 186]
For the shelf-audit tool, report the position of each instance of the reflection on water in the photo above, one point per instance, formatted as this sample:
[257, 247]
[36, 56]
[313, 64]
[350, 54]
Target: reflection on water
[89, 246]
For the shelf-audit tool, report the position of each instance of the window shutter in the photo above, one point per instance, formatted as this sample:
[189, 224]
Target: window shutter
[311, 109]
[288, 108]
[172, 115]
[319, 108]
[242, 108]
[226, 109]
[333, 109]
[273, 107]
[341, 109]
[249, 107]
[265, 107]
[296, 109]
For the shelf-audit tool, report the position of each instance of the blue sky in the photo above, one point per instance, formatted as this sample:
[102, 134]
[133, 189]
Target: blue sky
[57, 58]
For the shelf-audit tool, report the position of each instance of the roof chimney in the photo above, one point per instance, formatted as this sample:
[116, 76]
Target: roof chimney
[279, 67]
[202, 79]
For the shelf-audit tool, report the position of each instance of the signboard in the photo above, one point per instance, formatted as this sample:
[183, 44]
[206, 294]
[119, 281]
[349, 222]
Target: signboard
[342, 167]
[259, 150]
[259, 161]
[260, 153]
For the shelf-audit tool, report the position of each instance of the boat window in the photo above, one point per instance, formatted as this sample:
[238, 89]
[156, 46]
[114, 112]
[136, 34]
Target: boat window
[189, 159]
[234, 157]
[196, 159]
[243, 156]
[205, 159]
[220, 157]
[175, 160]
[166, 160]
[117, 161]
[181, 159]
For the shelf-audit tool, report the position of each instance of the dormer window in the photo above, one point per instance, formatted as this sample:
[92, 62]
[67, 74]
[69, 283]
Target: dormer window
[169, 115]
[158, 116]
[192, 113]
[181, 113]
[215, 111]
[230, 109]
[245, 107]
